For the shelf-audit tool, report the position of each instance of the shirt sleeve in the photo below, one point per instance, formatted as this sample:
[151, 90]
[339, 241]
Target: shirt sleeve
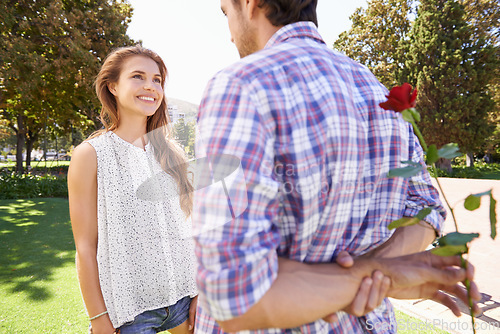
[421, 192]
[235, 201]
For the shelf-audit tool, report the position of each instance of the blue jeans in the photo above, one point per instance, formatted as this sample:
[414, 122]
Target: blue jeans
[158, 320]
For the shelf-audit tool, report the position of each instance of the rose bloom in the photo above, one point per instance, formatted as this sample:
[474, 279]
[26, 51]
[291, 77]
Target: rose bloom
[400, 98]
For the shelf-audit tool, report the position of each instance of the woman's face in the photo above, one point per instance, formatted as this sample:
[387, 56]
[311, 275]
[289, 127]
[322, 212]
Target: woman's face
[138, 91]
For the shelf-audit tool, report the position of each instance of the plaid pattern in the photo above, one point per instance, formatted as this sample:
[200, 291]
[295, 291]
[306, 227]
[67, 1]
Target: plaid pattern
[315, 149]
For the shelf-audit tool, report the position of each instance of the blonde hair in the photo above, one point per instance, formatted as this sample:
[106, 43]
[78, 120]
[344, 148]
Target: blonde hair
[167, 152]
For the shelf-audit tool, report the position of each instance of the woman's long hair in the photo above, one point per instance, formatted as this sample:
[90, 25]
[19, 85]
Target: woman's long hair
[167, 152]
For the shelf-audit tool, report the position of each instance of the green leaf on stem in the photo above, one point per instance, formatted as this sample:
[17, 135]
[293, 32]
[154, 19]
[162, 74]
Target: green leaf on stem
[449, 151]
[408, 116]
[473, 201]
[432, 154]
[411, 163]
[450, 250]
[408, 221]
[493, 217]
[415, 114]
[408, 171]
[423, 213]
[454, 243]
[457, 239]
[405, 221]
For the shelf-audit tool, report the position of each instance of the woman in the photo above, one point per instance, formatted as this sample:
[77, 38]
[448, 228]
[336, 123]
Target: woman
[135, 258]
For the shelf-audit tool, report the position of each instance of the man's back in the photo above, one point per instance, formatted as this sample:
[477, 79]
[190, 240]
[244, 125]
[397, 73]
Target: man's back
[315, 149]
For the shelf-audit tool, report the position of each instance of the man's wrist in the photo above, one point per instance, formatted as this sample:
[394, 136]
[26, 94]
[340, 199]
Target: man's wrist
[365, 266]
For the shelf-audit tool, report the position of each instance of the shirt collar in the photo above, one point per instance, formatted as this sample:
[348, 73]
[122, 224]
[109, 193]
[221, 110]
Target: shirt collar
[298, 29]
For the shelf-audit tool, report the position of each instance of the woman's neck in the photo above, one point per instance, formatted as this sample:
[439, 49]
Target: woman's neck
[133, 133]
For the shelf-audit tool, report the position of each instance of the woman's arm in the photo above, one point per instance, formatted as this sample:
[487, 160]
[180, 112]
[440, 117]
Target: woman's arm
[82, 191]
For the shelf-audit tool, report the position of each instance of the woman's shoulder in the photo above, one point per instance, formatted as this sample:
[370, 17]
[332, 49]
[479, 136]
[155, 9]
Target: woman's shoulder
[83, 165]
[85, 150]
[98, 138]
[84, 154]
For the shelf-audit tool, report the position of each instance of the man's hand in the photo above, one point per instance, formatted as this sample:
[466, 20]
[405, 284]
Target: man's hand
[435, 277]
[371, 293]
[326, 288]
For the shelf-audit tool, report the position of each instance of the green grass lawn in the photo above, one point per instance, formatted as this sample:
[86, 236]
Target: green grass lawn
[480, 170]
[39, 164]
[39, 290]
[410, 325]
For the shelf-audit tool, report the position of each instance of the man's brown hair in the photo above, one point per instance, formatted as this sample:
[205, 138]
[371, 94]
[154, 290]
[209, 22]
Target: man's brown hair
[283, 12]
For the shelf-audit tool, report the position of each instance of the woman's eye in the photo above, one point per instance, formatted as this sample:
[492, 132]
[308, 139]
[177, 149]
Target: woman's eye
[137, 76]
[157, 80]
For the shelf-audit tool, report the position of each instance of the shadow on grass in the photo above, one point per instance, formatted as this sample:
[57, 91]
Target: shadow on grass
[35, 239]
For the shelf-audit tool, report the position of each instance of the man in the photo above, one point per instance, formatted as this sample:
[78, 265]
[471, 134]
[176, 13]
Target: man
[314, 149]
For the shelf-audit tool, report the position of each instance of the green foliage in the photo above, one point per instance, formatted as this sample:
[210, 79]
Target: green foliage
[450, 50]
[450, 69]
[449, 151]
[456, 238]
[185, 136]
[454, 243]
[411, 115]
[377, 38]
[6, 134]
[479, 171]
[450, 250]
[16, 185]
[412, 169]
[432, 154]
[493, 217]
[473, 202]
[54, 50]
[484, 16]
[408, 221]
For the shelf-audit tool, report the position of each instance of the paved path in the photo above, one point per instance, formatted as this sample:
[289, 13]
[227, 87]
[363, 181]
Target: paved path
[484, 254]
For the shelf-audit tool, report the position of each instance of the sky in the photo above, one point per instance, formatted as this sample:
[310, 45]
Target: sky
[193, 39]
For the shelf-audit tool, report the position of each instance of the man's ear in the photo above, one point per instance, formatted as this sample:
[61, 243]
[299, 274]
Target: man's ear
[112, 88]
[251, 6]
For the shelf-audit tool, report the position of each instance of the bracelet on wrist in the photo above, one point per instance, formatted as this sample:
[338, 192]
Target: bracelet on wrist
[99, 315]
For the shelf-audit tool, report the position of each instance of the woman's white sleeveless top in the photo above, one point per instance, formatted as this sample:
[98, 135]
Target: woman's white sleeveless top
[145, 252]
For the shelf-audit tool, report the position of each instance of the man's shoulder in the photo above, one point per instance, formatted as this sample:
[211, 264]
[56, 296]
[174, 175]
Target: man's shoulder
[247, 67]
[273, 63]
[286, 53]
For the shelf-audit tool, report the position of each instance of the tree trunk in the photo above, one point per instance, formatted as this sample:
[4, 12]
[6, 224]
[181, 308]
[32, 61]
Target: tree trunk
[30, 141]
[20, 133]
[444, 164]
[470, 159]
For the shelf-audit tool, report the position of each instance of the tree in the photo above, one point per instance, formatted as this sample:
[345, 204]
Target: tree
[378, 37]
[484, 16]
[451, 71]
[6, 135]
[185, 135]
[51, 52]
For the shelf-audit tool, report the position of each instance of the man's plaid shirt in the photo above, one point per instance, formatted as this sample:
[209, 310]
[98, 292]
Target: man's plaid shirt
[315, 149]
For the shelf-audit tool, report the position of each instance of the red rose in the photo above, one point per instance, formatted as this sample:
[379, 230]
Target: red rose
[400, 98]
